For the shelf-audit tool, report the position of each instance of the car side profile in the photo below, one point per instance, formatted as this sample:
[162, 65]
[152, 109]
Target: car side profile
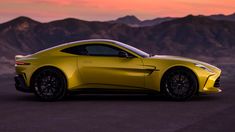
[100, 65]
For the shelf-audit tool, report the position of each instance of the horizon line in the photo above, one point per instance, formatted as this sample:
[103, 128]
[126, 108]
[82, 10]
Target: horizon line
[35, 19]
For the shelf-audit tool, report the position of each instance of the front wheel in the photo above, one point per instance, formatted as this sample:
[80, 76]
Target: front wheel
[49, 84]
[179, 84]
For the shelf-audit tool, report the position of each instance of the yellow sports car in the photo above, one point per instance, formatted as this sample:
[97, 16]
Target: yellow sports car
[107, 65]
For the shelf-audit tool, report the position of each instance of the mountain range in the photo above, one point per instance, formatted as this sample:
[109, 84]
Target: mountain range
[136, 22]
[208, 38]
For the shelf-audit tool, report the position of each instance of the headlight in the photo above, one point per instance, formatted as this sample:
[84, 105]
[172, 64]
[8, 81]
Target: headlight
[204, 67]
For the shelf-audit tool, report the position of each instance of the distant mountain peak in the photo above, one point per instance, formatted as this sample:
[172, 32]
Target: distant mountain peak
[230, 17]
[129, 19]
[192, 18]
[21, 23]
[23, 19]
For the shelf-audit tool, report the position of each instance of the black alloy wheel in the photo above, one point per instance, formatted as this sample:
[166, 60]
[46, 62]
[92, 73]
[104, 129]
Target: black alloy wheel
[179, 84]
[49, 84]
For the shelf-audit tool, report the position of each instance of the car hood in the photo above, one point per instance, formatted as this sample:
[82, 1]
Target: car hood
[178, 58]
[169, 57]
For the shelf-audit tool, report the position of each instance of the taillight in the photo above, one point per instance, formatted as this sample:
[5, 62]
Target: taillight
[21, 63]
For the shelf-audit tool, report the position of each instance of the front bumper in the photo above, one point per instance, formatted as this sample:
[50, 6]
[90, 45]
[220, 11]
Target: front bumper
[212, 84]
[20, 84]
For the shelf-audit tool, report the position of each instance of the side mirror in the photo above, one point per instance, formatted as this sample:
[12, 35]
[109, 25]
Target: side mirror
[123, 54]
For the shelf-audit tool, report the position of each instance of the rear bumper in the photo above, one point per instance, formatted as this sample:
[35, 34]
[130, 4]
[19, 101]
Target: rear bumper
[20, 84]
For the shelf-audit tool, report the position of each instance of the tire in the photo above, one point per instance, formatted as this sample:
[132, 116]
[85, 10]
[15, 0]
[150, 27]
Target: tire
[49, 84]
[179, 84]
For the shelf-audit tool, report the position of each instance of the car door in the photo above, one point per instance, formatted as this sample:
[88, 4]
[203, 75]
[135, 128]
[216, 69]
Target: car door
[101, 65]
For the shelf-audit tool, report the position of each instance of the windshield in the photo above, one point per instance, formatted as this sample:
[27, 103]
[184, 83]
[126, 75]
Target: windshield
[133, 49]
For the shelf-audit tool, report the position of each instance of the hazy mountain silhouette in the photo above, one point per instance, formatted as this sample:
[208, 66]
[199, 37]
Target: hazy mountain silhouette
[136, 22]
[129, 20]
[230, 17]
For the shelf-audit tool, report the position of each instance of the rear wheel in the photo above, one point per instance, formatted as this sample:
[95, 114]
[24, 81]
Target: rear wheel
[49, 84]
[179, 84]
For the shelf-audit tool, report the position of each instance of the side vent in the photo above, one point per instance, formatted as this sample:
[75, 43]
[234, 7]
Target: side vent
[217, 82]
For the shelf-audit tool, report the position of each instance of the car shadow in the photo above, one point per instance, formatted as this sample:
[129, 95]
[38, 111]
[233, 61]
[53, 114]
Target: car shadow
[118, 98]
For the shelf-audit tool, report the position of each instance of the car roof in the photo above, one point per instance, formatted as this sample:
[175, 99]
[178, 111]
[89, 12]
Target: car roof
[92, 40]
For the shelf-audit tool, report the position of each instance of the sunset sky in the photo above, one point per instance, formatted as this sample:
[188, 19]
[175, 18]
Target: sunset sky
[47, 10]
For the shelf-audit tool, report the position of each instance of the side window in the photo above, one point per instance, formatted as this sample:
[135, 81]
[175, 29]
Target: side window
[94, 50]
[77, 50]
[102, 50]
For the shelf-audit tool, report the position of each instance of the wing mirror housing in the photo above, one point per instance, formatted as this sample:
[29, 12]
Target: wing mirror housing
[124, 54]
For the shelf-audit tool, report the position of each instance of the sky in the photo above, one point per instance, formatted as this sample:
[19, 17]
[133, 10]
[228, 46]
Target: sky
[102, 10]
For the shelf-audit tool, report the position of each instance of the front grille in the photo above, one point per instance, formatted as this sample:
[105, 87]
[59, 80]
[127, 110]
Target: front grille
[217, 82]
